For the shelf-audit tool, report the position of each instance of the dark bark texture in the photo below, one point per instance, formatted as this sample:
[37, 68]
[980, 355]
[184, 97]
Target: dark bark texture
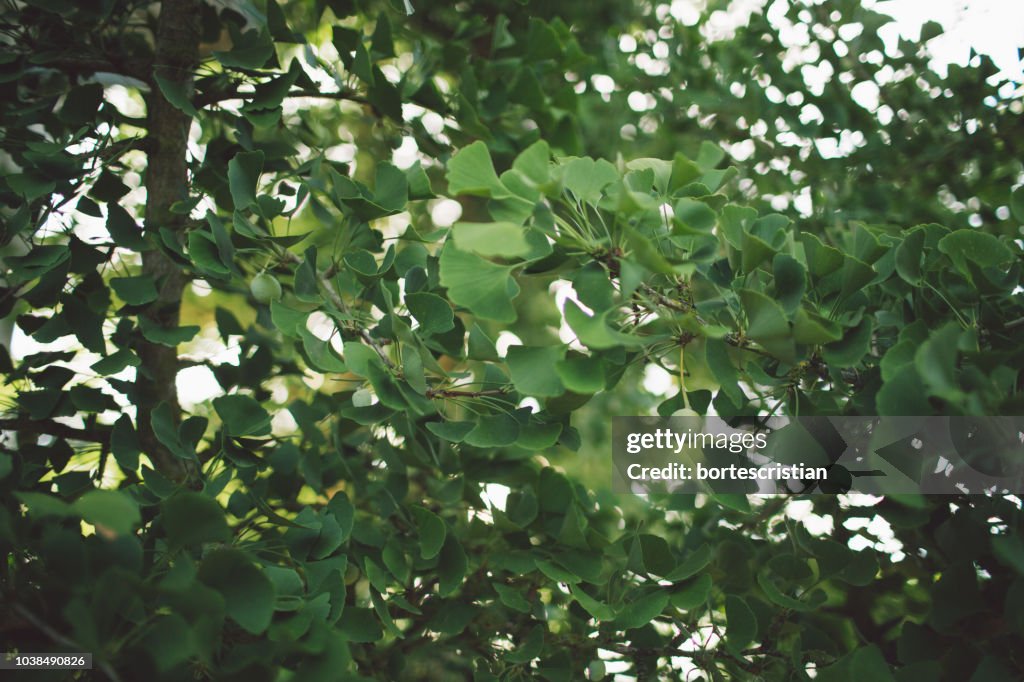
[177, 53]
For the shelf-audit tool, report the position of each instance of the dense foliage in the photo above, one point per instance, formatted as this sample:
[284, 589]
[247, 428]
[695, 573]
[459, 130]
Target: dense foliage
[404, 473]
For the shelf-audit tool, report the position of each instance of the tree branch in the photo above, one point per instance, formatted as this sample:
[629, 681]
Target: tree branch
[58, 638]
[207, 99]
[85, 65]
[177, 53]
[96, 434]
[451, 393]
[336, 300]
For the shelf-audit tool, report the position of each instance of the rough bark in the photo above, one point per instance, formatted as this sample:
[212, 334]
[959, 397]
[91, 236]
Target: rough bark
[176, 56]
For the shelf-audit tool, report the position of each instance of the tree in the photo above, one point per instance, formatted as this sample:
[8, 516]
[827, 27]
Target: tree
[183, 176]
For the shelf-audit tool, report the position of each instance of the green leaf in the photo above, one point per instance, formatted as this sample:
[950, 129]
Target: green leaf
[598, 610]
[978, 247]
[790, 282]
[908, 256]
[504, 239]
[660, 169]
[243, 175]
[694, 217]
[741, 624]
[124, 443]
[869, 664]
[484, 288]
[432, 312]
[511, 597]
[491, 431]
[754, 251]
[451, 567]
[170, 641]
[39, 261]
[693, 595]
[251, 50]
[176, 92]
[123, 229]
[109, 187]
[270, 93]
[172, 337]
[453, 432]
[533, 369]
[709, 155]
[135, 290]
[203, 251]
[694, 562]
[162, 419]
[542, 41]
[854, 346]
[684, 171]
[344, 513]
[359, 357]
[471, 171]
[647, 254]
[574, 529]
[1017, 204]
[481, 347]
[395, 561]
[642, 611]
[109, 508]
[360, 625]
[593, 288]
[896, 357]
[521, 507]
[581, 373]
[534, 163]
[821, 258]
[736, 221]
[587, 179]
[537, 436]
[767, 324]
[320, 355]
[776, 596]
[720, 363]
[657, 557]
[1010, 550]
[242, 416]
[42, 505]
[594, 332]
[115, 362]
[247, 591]
[901, 394]
[331, 537]
[431, 530]
[556, 572]
[855, 275]
[191, 518]
[936, 362]
[288, 320]
[387, 389]
[812, 328]
[529, 648]
[30, 185]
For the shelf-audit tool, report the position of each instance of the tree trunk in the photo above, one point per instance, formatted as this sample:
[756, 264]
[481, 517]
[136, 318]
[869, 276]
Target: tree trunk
[176, 56]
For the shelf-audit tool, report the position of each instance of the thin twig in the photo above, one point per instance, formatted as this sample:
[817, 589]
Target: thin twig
[207, 99]
[339, 303]
[451, 393]
[63, 640]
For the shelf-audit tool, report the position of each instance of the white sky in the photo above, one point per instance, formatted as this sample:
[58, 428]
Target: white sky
[991, 27]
